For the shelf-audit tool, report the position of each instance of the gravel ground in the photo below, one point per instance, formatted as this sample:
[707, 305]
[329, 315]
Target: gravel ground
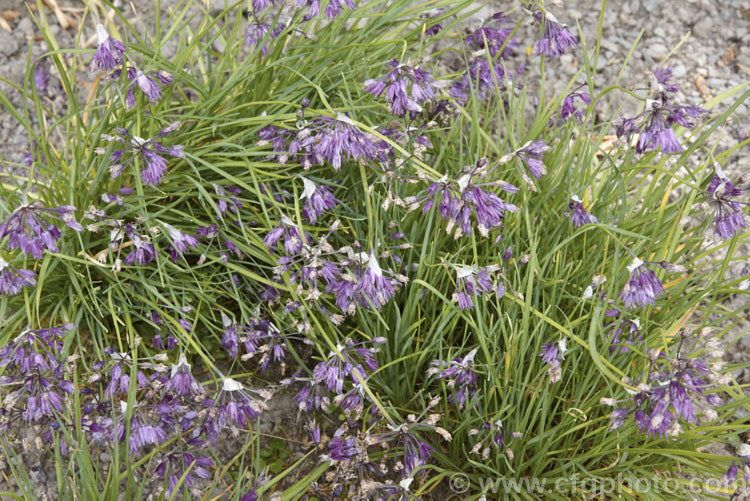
[714, 56]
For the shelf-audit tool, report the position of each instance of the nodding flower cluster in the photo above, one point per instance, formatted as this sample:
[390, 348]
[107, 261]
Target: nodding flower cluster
[724, 200]
[669, 392]
[461, 197]
[341, 376]
[460, 376]
[569, 108]
[642, 286]
[37, 386]
[556, 39]
[578, 214]
[153, 165]
[552, 354]
[142, 250]
[318, 200]
[621, 324]
[654, 124]
[260, 337]
[406, 88]
[111, 56]
[12, 279]
[494, 36]
[324, 139]
[257, 32]
[472, 282]
[355, 278]
[30, 228]
[486, 73]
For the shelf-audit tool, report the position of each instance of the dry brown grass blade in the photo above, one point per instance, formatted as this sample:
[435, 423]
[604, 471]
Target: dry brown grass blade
[7, 17]
[65, 20]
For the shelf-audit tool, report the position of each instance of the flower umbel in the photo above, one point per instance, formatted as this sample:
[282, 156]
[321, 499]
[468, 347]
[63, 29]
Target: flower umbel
[642, 287]
[152, 164]
[12, 280]
[29, 227]
[556, 39]
[406, 88]
[109, 51]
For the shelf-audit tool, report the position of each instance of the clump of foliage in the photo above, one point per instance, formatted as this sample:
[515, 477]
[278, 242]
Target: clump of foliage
[451, 272]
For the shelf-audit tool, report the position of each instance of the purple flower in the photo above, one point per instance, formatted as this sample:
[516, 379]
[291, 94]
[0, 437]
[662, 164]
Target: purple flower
[181, 381]
[43, 399]
[265, 338]
[109, 51]
[667, 395]
[182, 468]
[416, 452]
[494, 35]
[143, 251]
[460, 376]
[532, 154]
[722, 198]
[12, 280]
[293, 239]
[257, 32]
[341, 449]
[483, 79]
[324, 139]
[259, 5]
[35, 350]
[230, 337]
[318, 199]
[153, 165]
[41, 75]
[569, 109]
[235, 406]
[461, 198]
[642, 286]
[29, 227]
[618, 325]
[552, 354]
[556, 39]
[429, 15]
[180, 241]
[406, 88]
[731, 475]
[656, 121]
[334, 7]
[119, 374]
[365, 286]
[663, 77]
[212, 232]
[40, 385]
[144, 429]
[578, 214]
[473, 282]
[332, 374]
[227, 192]
[149, 85]
[373, 285]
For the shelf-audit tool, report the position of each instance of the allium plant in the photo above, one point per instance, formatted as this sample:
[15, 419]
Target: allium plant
[353, 208]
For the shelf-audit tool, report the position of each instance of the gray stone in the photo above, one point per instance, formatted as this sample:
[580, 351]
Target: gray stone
[657, 51]
[8, 44]
[25, 27]
[704, 27]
